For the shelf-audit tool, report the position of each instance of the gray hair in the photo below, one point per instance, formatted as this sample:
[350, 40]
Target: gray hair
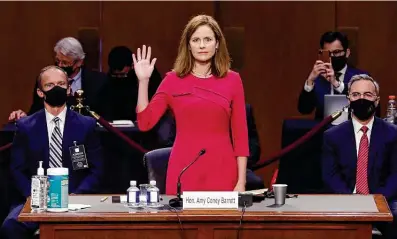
[71, 47]
[363, 77]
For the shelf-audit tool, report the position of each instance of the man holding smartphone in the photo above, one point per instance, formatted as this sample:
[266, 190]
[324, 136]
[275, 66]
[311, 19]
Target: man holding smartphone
[330, 74]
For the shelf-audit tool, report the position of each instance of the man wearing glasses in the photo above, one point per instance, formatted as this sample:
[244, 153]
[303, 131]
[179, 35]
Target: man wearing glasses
[69, 55]
[327, 77]
[360, 155]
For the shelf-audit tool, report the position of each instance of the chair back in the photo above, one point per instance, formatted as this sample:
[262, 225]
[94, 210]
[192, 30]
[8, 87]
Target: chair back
[156, 162]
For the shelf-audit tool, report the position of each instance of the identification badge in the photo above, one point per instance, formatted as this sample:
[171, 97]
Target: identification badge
[78, 157]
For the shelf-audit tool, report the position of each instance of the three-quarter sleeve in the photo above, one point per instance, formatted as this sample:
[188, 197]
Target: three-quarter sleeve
[149, 117]
[239, 120]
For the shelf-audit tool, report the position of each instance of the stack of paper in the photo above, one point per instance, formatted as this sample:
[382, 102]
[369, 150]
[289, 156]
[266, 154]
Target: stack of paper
[122, 123]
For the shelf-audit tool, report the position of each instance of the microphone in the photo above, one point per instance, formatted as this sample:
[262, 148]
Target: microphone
[178, 202]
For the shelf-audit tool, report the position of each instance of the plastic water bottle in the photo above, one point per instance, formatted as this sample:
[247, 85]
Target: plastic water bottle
[39, 190]
[153, 195]
[133, 195]
[391, 109]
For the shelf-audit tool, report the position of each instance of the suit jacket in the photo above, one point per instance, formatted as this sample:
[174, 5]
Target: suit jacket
[119, 96]
[339, 159]
[31, 145]
[253, 138]
[92, 83]
[168, 130]
[308, 101]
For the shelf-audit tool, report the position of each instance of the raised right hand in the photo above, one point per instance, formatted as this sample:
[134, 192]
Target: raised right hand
[142, 65]
[318, 68]
[16, 115]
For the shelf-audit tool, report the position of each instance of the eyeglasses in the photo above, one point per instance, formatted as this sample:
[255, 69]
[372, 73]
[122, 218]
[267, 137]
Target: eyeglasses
[64, 63]
[365, 95]
[334, 53]
[119, 75]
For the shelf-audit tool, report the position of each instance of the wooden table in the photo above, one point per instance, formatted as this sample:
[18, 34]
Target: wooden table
[207, 224]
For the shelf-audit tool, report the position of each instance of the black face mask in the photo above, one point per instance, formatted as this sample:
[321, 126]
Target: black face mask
[363, 109]
[55, 97]
[68, 69]
[338, 62]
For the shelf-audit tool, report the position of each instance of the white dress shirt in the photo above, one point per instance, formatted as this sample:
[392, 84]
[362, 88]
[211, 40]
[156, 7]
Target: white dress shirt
[51, 124]
[358, 134]
[340, 88]
[76, 85]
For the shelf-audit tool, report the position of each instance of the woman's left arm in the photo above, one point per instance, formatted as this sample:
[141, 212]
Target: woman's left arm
[240, 133]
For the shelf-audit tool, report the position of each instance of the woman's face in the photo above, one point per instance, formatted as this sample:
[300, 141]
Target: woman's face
[203, 44]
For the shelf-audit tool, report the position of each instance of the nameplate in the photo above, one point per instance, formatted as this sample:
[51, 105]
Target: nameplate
[210, 200]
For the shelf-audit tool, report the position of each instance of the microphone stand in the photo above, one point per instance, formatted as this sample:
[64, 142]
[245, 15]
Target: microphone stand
[178, 201]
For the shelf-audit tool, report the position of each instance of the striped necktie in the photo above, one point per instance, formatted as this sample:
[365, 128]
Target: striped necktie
[362, 164]
[56, 146]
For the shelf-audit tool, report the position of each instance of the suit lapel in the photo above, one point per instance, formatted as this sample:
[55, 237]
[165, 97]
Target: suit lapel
[67, 136]
[374, 144]
[348, 76]
[351, 146]
[42, 133]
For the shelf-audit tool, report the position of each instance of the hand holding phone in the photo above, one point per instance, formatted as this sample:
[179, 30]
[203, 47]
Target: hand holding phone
[324, 56]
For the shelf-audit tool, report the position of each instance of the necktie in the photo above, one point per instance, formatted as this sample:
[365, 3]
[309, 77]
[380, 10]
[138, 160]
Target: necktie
[362, 164]
[56, 146]
[337, 75]
[71, 81]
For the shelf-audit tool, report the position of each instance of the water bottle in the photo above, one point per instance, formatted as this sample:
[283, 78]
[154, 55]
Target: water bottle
[39, 190]
[133, 195]
[153, 195]
[391, 109]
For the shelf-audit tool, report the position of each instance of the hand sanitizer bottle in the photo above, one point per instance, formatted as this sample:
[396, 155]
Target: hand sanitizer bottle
[39, 190]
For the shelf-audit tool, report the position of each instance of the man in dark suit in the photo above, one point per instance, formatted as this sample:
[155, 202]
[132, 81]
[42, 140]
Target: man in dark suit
[69, 56]
[47, 136]
[327, 77]
[120, 93]
[253, 181]
[360, 155]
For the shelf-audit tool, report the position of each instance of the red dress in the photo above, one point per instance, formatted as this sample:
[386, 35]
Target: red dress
[209, 114]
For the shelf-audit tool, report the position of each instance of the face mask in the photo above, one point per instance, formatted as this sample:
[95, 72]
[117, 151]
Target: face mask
[55, 97]
[68, 69]
[338, 62]
[363, 109]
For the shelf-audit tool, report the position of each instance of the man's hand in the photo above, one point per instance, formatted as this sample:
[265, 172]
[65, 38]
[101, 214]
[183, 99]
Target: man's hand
[318, 68]
[16, 115]
[330, 75]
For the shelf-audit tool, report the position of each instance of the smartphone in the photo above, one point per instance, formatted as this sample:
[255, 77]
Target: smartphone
[324, 56]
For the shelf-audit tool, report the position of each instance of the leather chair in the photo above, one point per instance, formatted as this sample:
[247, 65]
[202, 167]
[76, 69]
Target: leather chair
[156, 162]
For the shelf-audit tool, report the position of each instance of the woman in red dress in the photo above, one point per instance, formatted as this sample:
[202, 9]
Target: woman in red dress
[207, 100]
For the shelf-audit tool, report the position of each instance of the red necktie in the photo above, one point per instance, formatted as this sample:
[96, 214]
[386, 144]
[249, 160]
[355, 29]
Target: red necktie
[362, 164]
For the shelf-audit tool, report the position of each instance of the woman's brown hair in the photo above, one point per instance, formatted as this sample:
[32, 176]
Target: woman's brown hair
[220, 62]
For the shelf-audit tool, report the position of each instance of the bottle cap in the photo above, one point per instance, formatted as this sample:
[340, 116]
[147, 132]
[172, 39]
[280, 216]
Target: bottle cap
[133, 183]
[40, 170]
[153, 182]
[392, 97]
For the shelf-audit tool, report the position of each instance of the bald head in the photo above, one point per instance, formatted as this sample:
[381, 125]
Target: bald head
[51, 76]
